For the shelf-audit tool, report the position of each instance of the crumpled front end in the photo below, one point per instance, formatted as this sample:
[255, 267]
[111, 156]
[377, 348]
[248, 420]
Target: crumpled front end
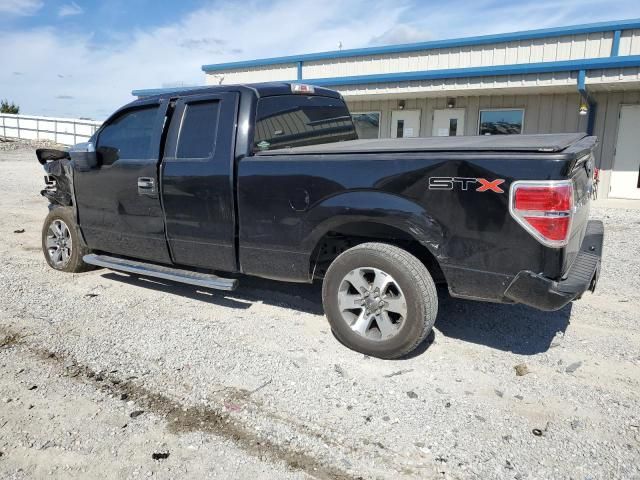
[59, 176]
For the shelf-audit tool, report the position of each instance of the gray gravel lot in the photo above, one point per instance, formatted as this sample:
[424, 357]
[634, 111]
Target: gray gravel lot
[251, 384]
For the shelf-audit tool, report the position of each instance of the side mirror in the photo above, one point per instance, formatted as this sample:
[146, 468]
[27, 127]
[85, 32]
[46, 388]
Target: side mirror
[108, 155]
[83, 156]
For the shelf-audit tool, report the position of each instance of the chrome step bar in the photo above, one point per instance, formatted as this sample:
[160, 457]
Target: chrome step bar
[160, 271]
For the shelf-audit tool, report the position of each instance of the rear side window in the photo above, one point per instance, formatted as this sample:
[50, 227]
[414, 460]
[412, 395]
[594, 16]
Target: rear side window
[198, 132]
[296, 120]
[128, 136]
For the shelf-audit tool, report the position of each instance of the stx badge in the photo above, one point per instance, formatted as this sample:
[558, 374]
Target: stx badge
[466, 183]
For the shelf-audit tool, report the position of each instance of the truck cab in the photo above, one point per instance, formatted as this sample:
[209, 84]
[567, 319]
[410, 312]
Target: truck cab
[163, 188]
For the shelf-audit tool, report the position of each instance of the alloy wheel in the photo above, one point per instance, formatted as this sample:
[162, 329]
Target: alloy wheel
[59, 243]
[372, 303]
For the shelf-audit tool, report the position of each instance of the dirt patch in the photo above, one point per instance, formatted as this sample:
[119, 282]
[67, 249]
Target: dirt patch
[179, 418]
[9, 339]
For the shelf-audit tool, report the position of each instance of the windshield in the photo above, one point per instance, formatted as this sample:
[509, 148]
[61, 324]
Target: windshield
[297, 120]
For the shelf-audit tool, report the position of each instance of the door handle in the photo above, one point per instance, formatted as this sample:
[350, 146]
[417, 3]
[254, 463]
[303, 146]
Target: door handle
[146, 186]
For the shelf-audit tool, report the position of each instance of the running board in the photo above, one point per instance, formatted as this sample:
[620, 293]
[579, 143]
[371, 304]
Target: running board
[159, 271]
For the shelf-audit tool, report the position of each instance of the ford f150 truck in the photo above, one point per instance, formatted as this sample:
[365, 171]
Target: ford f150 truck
[270, 180]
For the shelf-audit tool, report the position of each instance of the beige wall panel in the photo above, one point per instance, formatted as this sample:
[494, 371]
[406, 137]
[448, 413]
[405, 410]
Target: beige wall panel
[511, 53]
[558, 113]
[617, 75]
[537, 50]
[558, 48]
[630, 42]
[578, 46]
[550, 51]
[254, 74]
[531, 114]
[564, 48]
[524, 51]
[471, 122]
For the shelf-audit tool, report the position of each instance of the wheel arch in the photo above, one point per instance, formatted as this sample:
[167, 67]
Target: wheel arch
[352, 218]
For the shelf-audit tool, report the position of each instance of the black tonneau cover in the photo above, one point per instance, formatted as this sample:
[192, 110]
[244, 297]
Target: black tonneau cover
[554, 142]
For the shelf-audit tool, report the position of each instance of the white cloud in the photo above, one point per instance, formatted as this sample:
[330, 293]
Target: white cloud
[462, 18]
[100, 78]
[20, 7]
[70, 9]
[42, 68]
[401, 33]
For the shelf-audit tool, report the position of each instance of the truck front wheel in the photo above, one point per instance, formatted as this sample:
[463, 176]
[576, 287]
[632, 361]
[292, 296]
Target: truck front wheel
[380, 300]
[62, 245]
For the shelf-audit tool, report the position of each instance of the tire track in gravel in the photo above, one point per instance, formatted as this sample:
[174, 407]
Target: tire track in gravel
[179, 418]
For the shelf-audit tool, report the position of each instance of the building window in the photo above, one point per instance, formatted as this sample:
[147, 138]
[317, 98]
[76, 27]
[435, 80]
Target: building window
[501, 122]
[367, 124]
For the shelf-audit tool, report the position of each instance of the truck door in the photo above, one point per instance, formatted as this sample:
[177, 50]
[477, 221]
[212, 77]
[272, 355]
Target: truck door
[197, 175]
[118, 204]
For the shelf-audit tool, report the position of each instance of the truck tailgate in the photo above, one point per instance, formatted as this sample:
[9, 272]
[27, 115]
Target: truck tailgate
[582, 178]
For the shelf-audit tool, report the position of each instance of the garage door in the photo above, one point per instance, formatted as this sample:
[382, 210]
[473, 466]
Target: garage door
[625, 177]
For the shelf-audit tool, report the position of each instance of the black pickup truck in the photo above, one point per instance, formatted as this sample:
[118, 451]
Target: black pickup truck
[270, 180]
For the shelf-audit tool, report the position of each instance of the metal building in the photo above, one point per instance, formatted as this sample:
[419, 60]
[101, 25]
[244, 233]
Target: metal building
[568, 79]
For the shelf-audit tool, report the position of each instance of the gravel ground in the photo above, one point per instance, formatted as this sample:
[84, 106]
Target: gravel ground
[252, 383]
[7, 144]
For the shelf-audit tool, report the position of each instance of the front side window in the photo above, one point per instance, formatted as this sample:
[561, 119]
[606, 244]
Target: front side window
[501, 122]
[367, 124]
[297, 120]
[128, 136]
[198, 130]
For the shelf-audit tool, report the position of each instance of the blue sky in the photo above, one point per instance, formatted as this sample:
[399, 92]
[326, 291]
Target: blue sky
[82, 58]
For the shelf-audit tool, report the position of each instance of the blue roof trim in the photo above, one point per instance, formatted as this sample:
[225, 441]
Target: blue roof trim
[582, 82]
[412, 47]
[299, 71]
[593, 105]
[518, 69]
[615, 45]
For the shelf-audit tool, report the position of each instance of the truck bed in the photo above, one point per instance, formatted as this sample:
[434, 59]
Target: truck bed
[547, 143]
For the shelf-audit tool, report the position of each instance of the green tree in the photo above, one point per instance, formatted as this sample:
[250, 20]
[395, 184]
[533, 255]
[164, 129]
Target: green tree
[6, 107]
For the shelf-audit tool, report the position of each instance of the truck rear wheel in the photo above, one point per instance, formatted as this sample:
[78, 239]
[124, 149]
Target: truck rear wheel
[380, 300]
[62, 245]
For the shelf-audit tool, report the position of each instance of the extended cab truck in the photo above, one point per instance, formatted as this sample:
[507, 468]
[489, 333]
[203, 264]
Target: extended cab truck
[270, 180]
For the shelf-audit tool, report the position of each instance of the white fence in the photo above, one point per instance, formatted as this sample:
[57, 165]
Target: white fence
[66, 131]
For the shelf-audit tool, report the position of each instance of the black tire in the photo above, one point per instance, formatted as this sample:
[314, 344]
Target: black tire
[416, 284]
[78, 249]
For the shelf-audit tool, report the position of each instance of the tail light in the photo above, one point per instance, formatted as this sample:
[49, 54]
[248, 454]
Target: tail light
[544, 209]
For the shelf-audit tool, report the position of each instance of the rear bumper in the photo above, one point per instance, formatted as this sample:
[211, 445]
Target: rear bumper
[545, 294]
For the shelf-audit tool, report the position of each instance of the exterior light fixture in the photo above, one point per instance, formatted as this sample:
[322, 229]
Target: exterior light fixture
[451, 102]
[401, 105]
[583, 109]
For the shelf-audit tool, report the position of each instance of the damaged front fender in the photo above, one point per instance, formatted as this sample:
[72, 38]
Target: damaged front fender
[59, 176]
